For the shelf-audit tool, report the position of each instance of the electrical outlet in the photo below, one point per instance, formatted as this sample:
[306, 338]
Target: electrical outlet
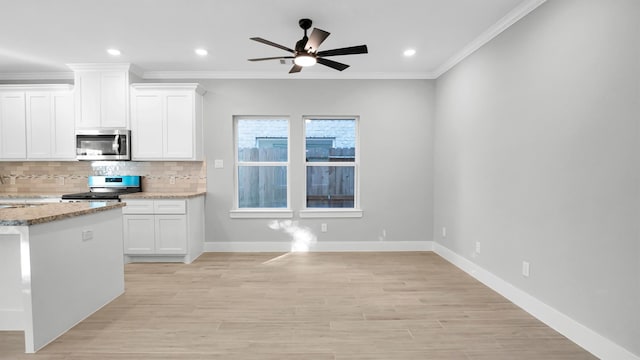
[444, 232]
[323, 227]
[60, 180]
[525, 268]
[172, 180]
[218, 164]
[478, 247]
[87, 235]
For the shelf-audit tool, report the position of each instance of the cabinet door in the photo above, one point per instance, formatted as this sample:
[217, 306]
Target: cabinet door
[113, 99]
[63, 145]
[139, 234]
[39, 125]
[171, 234]
[146, 125]
[178, 138]
[13, 132]
[88, 97]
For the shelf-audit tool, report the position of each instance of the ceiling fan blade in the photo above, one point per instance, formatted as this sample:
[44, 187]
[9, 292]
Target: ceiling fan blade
[295, 69]
[316, 38]
[332, 64]
[352, 50]
[272, 58]
[267, 42]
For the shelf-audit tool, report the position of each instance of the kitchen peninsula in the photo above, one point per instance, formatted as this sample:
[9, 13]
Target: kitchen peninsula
[59, 263]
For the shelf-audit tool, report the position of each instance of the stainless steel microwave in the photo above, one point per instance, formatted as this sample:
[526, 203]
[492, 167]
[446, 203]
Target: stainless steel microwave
[103, 144]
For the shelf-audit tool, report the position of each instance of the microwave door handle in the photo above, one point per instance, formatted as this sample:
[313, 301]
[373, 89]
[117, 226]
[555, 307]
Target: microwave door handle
[116, 144]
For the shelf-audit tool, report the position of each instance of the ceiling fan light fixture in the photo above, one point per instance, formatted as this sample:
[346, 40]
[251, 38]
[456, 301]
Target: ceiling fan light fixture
[305, 60]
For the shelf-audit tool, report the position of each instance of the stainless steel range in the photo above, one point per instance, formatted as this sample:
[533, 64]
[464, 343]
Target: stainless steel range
[106, 188]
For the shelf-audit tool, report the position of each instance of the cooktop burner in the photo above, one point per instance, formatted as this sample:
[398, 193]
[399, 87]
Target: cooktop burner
[107, 195]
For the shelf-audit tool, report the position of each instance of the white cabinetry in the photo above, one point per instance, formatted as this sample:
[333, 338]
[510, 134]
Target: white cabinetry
[101, 95]
[163, 230]
[166, 121]
[50, 125]
[36, 122]
[13, 140]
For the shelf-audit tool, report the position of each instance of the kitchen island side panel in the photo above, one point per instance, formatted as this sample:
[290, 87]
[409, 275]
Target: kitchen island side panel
[77, 267]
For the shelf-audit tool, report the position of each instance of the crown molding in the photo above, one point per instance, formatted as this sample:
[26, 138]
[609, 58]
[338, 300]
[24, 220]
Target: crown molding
[511, 18]
[170, 86]
[107, 66]
[196, 75]
[36, 87]
[37, 76]
[100, 66]
[261, 75]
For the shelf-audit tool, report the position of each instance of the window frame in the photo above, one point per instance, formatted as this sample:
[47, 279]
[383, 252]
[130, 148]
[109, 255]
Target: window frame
[356, 211]
[258, 212]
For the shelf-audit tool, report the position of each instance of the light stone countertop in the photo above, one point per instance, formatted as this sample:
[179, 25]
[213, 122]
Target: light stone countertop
[28, 196]
[162, 195]
[26, 215]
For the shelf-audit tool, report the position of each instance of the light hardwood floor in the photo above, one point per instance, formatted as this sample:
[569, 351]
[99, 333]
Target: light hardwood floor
[307, 306]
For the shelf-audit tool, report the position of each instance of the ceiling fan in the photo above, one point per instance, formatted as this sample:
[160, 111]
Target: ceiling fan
[306, 50]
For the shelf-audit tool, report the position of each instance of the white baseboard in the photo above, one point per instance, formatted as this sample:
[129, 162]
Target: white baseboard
[320, 246]
[11, 320]
[588, 339]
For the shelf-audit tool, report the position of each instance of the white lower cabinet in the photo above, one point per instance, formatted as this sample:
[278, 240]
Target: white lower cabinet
[139, 234]
[171, 234]
[163, 230]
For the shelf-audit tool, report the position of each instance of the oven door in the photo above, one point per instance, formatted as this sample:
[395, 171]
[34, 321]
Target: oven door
[103, 144]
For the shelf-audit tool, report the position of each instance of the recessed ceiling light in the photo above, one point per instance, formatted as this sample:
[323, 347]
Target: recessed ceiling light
[202, 52]
[114, 52]
[409, 52]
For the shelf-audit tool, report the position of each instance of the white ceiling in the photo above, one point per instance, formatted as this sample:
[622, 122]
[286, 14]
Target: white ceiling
[159, 36]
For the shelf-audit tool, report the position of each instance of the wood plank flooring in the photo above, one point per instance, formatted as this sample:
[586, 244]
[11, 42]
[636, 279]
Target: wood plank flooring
[308, 306]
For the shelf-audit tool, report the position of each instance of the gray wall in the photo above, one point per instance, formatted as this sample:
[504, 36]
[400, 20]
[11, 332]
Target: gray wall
[396, 143]
[537, 158]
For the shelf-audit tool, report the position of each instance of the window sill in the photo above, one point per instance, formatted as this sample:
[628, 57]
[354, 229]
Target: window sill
[261, 214]
[331, 213]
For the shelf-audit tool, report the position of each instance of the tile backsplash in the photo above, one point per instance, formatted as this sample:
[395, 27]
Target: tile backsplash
[61, 177]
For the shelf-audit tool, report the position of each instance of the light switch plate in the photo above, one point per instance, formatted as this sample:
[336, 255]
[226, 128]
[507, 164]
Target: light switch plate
[525, 268]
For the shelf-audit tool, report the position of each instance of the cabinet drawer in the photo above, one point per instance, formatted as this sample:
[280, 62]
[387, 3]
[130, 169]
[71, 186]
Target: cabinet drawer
[169, 207]
[138, 207]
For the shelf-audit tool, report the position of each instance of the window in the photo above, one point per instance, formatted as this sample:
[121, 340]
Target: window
[263, 173]
[262, 163]
[331, 159]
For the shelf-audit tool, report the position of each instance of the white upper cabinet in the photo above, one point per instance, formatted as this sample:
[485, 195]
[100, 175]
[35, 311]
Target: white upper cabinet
[166, 121]
[50, 125]
[146, 125]
[37, 122]
[13, 143]
[101, 95]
